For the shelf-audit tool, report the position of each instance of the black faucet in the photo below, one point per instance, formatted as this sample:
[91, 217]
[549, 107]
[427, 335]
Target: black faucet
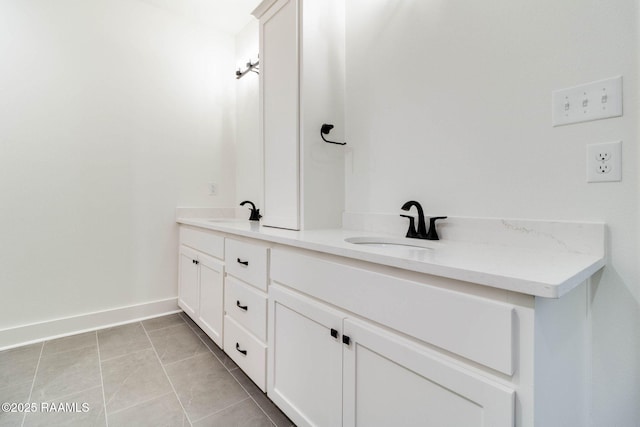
[255, 213]
[421, 232]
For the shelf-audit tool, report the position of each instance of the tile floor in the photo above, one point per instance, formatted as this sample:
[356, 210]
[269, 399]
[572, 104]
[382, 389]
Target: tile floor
[159, 372]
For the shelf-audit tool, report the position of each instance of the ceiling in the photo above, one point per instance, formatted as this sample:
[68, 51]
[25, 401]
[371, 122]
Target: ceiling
[225, 15]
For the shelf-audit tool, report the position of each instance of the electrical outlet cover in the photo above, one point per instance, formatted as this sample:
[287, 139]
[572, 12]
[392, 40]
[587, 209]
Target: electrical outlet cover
[604, 162]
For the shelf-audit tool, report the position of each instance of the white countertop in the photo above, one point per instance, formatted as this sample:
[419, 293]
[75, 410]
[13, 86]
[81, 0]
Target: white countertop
[533, 271]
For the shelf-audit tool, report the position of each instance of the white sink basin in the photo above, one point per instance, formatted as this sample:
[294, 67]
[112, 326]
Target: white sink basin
[391, 243]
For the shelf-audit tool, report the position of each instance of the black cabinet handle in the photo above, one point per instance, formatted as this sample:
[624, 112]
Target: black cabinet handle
[334, 333]
[346, 340]
[193, 261]
[243, 262]
[196, 262]
[241, 307]
[244, 352]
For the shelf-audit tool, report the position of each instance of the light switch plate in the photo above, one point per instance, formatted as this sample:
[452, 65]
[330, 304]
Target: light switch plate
[604, 162]
[590, 101]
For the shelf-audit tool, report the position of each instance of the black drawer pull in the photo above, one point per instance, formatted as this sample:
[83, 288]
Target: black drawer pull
[241, 307]
[244, 352]
[334, 333]
[346, 340]
[243, 262]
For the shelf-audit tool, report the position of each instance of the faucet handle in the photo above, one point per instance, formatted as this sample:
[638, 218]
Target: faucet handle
[432, 234]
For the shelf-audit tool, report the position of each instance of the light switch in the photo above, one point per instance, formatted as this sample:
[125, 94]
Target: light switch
[591, 101]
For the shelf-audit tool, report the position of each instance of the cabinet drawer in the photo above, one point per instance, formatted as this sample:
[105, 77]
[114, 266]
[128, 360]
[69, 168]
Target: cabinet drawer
[476, 328]
[203, 241]
[248, 262]
[246, 350]
[247, 306]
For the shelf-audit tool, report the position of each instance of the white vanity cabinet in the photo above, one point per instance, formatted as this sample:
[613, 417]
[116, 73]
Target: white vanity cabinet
[384, 346]
[328, 368]
[339, 341]
[201, 277]
[298, 93]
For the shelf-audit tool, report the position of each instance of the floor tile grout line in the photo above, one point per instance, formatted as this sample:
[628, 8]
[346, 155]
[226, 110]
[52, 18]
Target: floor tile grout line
[182, 360]
[66, 396]
[223, 409]
[188, 357]
[205, 344]
[184, 411]
[194, 355]
[200, 336]
[33, 383]
[229, 370]
[104, 398]
[123, 382]
[255, 401]
[189, 324]
[127, 354]
[66, 351]
[142, 402]
[208, 348]
[234, 377]
[170, 326]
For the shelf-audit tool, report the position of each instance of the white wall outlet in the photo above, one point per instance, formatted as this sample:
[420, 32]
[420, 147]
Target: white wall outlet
[604, 162]
[213, 188]
[590, 101]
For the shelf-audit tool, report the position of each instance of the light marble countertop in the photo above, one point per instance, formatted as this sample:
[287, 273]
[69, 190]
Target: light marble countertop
[540, 271]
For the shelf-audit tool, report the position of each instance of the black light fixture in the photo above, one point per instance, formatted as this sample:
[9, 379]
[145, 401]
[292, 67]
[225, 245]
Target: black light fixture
[324, 130]
[251, 67]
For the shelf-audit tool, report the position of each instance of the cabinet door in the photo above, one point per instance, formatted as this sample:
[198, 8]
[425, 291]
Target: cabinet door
[279, 71]
[304, 376]
[389, 380]
[188, 281]
[210, 313]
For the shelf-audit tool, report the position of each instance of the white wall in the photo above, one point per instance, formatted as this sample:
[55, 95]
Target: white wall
[248, 147]
[449, 103]
[112, 113]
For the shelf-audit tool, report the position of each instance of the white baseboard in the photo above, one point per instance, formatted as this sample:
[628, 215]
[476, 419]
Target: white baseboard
[57, 328]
